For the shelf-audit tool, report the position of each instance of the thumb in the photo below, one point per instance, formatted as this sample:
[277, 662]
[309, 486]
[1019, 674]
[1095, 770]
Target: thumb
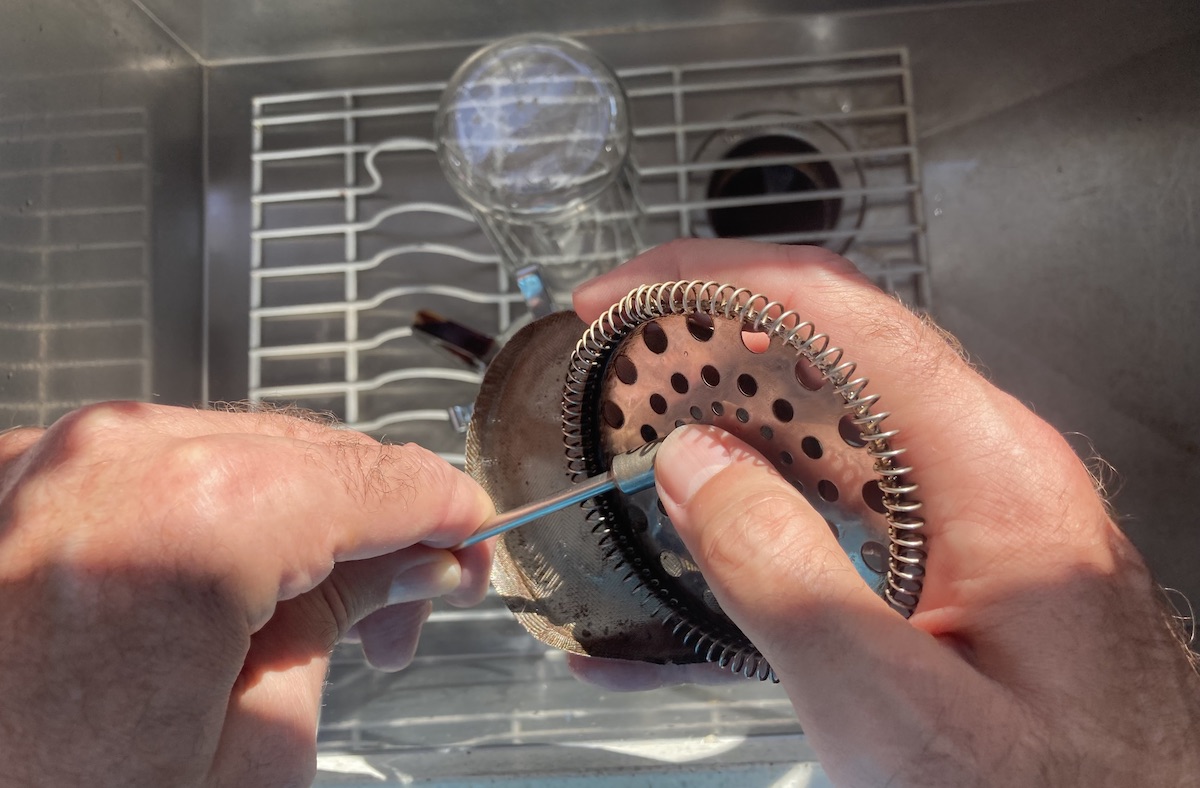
[778, 571]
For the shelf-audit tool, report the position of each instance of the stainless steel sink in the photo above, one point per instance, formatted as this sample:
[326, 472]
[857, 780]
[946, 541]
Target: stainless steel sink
[1053, 229]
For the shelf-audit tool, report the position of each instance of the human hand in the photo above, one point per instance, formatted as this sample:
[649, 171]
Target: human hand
[1040, 653]
[172, 582]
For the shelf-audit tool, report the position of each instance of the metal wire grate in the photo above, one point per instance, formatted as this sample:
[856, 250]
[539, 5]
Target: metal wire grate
[74, 230]
[354, 229]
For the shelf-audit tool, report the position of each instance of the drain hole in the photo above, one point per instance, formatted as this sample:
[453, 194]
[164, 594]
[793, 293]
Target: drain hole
[696, 413]
[875, 556]
[613, 415]
[742, 415]
[700, 326]
[637, 519]
[756, 341]
[767, 432]
[718, 409]
[747, 385]
[626, 370]
[649, 434]
[827, 490]
[658, 404]
[783, 410]
[850, 432]
[655, 338]
[808, 375]
[710, 375]
[671, 563]
[786, 457]
[873, 497]
[679, 383]
[812, 447]
[747, 179]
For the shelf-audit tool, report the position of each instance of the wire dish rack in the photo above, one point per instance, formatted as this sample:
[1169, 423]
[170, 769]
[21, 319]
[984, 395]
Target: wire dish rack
[355, 230]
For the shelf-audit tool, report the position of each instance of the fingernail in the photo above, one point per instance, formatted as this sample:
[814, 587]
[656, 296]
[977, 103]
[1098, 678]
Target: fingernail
[688, 459]
[468, 590]
[426, 581]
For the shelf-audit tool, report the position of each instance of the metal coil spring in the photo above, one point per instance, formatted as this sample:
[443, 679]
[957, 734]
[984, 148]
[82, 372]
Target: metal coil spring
[906, 562]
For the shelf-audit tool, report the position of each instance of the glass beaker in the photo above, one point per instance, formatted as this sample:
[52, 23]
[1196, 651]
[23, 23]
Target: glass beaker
[534, 134]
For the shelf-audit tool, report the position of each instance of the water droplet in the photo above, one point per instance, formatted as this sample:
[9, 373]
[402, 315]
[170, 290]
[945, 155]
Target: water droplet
[937, 211]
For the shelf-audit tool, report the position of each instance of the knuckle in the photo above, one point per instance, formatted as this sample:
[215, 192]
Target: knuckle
[86, 426]
[361, 467]
[345, 608]
[378, 475]
[195, 461]
[16, 441]
[410, 467]
[205, 473]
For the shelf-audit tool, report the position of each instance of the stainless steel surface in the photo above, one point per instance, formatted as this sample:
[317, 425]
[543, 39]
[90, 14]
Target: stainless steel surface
[223, 32]
[1059, 166]
[631, 473]
[101, 273]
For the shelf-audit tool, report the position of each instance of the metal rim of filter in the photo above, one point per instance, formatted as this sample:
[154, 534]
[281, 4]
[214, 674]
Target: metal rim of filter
[786, 332]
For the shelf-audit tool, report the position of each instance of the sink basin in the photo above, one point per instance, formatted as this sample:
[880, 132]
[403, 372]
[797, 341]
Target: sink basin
[1036, 193]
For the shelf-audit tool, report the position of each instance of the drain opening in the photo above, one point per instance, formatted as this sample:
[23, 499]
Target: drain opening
[753, 180]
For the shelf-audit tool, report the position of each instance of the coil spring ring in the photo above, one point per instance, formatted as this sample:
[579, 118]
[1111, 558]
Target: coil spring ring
[906, 549]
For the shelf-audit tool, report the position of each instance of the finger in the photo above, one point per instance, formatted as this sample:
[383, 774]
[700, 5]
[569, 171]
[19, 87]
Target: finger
[313, 504]
[972, 446]
[620, 675]
[475, 562]
[848, 662]
[312, 623]
[742, 521]
[269, 735]
[390, 636]
[14, 442]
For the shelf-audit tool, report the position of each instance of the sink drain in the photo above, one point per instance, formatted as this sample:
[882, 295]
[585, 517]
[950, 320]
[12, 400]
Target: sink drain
[774, 168]
[750, 179]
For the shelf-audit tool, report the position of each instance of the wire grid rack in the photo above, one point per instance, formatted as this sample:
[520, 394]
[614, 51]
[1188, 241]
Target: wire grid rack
[354, 228]
[75, 280]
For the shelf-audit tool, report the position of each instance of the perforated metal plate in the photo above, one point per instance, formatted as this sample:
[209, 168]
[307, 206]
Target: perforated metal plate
[694, 369]
[668, 355]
